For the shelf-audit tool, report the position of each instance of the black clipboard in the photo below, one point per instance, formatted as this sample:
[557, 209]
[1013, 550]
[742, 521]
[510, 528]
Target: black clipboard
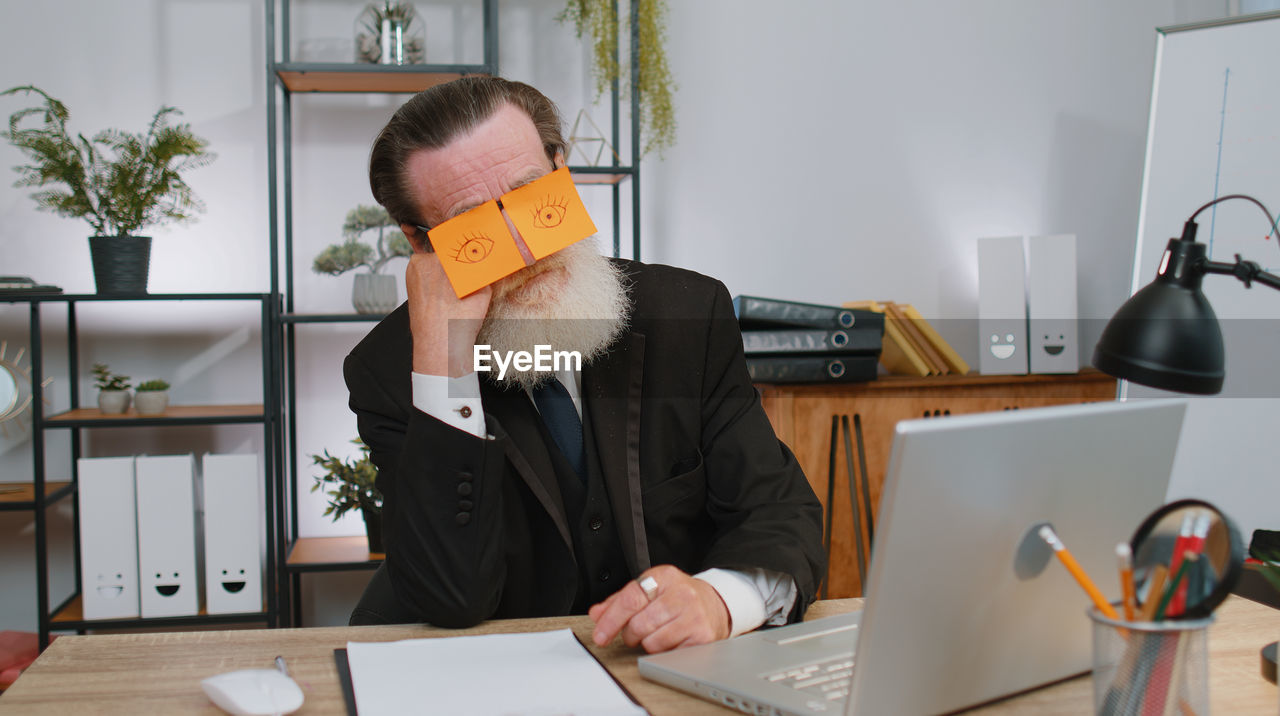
[344, 680]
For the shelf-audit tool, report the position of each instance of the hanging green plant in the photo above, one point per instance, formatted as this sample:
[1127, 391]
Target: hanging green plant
[598, 19]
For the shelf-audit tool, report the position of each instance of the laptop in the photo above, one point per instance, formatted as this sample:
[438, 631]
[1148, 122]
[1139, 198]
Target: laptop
[965, 603]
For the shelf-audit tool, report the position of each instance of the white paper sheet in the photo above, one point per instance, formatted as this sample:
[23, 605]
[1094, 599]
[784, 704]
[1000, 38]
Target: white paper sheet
[542, 673]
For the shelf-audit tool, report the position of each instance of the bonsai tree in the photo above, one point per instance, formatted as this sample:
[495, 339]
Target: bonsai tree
[352, 253]
[117, 181]
[104, 379]
[352, 483]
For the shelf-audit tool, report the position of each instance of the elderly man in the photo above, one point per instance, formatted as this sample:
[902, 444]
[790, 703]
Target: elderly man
[646, 489]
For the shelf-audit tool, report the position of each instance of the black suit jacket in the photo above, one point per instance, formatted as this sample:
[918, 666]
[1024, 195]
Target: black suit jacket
[476, 529]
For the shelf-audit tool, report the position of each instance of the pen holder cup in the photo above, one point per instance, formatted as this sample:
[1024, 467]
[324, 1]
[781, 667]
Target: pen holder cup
[1150, 667]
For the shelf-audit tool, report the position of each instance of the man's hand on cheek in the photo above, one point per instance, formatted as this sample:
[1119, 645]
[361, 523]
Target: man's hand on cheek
[433, 306]
[684, 611]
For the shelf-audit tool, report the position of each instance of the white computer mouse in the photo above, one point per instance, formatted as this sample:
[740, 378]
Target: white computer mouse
[253, 692]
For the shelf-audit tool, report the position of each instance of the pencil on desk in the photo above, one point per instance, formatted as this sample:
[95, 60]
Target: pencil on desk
[1048, 535]
[1124, 553]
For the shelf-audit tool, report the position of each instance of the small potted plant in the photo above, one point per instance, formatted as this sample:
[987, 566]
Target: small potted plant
[352, 487]
[113, 390]
[119, 182]
[373, 292]
[151, 397]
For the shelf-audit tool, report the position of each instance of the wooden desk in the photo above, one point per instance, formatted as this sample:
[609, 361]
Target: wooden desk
[160, 673]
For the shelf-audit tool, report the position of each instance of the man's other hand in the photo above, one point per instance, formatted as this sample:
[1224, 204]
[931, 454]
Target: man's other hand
[684, 611]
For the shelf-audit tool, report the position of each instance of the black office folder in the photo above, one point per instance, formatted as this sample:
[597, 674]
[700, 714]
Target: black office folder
[812, 369]
[755, 312]
[853, 341]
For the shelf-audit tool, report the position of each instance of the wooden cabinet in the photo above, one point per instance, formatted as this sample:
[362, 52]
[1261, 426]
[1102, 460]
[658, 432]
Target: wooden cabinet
[803, 416]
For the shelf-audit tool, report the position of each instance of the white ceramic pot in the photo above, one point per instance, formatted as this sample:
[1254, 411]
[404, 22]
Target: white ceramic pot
[113, 402]
[374, 293]
[151, 402]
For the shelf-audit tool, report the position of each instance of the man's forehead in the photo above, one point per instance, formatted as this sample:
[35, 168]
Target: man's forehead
[499, 154]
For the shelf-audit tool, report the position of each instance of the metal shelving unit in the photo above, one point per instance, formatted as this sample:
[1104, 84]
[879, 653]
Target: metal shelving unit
[43, 494]
[286, 78]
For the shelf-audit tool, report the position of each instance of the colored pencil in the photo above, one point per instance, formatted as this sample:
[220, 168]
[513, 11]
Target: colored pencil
[1124, 553]
[1047, 534]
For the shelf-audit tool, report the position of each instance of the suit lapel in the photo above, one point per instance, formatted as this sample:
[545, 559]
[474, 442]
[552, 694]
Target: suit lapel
[612, 388]
[516, 417]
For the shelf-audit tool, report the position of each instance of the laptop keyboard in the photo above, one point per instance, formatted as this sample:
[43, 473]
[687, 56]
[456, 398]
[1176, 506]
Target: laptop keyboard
[828, 680]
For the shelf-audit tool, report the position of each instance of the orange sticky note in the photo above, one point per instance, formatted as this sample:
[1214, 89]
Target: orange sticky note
[476, 248]
[548, 213]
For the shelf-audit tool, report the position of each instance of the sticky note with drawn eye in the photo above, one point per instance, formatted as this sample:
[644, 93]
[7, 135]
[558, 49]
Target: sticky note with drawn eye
[475, 248]
[548, 213]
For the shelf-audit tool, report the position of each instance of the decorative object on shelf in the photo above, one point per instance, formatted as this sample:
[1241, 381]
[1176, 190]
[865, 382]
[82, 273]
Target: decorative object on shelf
[117, 181]
[656, 87]
[113, 390]
[151, 397]
[15, 396]
[589, 140]
[373, 292]
[353, 488]
[389, 33]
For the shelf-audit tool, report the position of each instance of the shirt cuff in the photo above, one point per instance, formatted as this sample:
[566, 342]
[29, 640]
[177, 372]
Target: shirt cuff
[453, 401]
[753, 596]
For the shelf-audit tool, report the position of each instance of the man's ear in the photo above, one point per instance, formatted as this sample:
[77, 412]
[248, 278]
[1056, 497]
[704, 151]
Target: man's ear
[417, 238]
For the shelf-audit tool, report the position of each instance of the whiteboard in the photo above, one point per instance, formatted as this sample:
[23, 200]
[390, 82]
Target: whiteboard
[1215, 130]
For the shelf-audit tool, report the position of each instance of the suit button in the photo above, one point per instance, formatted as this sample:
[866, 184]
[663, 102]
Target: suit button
[604, 575]
[465, 505]
[462, 518]
[464, 489]
[465, 411]
[595, 524]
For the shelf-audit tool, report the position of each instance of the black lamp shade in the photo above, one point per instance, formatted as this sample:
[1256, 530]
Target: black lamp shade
[1167, 335]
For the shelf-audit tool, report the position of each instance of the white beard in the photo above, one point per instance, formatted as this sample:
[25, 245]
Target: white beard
[583, 313]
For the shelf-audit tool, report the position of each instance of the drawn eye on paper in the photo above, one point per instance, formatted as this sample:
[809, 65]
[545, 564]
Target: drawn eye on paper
[550, 213]
[473, 249]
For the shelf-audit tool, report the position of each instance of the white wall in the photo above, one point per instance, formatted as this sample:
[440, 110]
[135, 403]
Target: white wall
[827, 151]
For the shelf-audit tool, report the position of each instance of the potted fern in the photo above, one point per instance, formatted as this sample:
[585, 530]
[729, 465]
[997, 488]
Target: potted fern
[350, 486]
[119, 182]
[372, 292]
[113, 390]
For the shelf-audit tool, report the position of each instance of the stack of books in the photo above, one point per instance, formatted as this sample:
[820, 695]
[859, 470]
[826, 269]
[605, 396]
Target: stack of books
[790, 342]
[911, 345]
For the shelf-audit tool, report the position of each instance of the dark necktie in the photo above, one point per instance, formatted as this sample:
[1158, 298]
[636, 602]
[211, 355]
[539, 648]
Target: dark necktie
[561, 418]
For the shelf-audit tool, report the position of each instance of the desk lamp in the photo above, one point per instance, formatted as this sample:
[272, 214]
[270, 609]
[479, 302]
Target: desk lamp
[1167, 335]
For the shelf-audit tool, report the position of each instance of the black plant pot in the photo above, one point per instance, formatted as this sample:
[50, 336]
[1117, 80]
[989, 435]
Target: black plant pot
[373, 528]
[120, 263]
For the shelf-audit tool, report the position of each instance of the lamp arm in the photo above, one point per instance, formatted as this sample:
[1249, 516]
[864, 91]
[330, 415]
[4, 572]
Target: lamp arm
[1246, 271]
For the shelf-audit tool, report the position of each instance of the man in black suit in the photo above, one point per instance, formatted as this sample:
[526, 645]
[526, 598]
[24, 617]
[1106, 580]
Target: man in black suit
[647, 488]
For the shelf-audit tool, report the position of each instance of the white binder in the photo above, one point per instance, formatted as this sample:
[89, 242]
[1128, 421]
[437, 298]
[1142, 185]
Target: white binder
[108, 538]
[1002, 306]
[232, 529]
[168, 580]
[1051, 304]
